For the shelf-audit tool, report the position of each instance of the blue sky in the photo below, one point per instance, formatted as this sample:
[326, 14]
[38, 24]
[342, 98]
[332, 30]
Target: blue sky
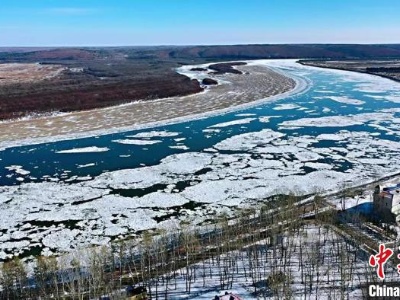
[188, 22]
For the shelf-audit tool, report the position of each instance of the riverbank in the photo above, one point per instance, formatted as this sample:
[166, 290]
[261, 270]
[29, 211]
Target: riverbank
[234, 90]
[384, 68]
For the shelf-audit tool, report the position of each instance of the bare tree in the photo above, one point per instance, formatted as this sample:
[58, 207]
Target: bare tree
[13, 279]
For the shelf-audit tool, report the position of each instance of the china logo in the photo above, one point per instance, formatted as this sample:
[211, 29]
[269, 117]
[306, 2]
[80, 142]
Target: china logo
[379, 260]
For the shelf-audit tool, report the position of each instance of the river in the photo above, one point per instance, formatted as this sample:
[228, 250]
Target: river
[338, 128]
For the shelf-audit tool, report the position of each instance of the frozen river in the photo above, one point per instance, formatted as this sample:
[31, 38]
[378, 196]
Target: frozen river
[339, 127]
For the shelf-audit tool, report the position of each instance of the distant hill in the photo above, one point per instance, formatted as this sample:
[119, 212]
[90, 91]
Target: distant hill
[289, 51]
[221, 52]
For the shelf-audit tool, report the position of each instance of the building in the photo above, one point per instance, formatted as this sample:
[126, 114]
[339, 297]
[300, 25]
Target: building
[228, 296]
[138, 293]
[387, 203]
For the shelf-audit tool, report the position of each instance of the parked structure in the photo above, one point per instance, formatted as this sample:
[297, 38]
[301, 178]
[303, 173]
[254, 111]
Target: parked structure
[227, 296]
[387, 203]
[138, 293]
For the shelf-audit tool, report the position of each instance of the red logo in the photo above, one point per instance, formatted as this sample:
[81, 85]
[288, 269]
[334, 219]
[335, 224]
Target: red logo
[380, 259]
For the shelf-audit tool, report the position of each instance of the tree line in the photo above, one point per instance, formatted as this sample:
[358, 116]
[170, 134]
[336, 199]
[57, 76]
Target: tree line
[267, 246]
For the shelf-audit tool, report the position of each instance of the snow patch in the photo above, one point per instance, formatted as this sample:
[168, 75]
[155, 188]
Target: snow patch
[84, 150]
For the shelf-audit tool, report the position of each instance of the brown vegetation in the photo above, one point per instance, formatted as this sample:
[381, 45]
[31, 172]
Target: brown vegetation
[131, 73]
[209, 81]
[384, 68]
[260, 82]
[15, 73]
[67, 98]
[224, 68]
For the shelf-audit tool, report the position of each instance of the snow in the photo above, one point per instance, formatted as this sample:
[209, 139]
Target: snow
[211, 130]
[161, 199]
[236, 271]
[318, 166]
[248, 141]
[233, 180]
[343, 135]
[18, 169]
[84, 150]
[286, 106]
[235, 122]
[326, 110]
[62, 240]
[245, 115]
[179, 147]
[179, 139]
[133, 178]
[86, 165]
[185, 163]
[343, 99]
[373, 161]
[212, 191]
[393, 98]
[337, 121]
[264, 119]
[154, 133]
[378, 85]
[307, 156]
[136, 142]
[324, 91]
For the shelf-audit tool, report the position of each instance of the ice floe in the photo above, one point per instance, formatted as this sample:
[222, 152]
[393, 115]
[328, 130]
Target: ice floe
[154, 133]
[270, 163]
[136, 142]
[18, 169]
[286, 106]
[337, 121]
[326, 110]
[246, 115]
[343, 99]
[86, 165]
[235, 122]
[84, 150]
[248, 141]
[179, 147]
[393, 98]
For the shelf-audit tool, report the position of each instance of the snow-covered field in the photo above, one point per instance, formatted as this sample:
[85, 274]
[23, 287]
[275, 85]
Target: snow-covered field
[312, 263]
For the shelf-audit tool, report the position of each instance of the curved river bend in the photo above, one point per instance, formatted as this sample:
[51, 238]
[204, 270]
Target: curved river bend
[344, 128]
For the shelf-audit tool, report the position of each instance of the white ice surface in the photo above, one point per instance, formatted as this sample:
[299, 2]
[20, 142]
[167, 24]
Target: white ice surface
[154, 133]
[235, 122]
[84, 150]
[337, 121]
[248, 141]
[136, 142]
[86, 165]
[18, 170]
[344, 99]
[179, 147]
[286, 106]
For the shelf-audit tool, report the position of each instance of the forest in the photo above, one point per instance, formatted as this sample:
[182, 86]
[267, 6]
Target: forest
[296, 248]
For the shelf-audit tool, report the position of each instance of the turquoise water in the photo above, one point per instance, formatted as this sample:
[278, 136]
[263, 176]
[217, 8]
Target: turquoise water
[42, 161]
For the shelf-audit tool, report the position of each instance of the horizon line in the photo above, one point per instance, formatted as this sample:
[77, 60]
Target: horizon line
[192, 45]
